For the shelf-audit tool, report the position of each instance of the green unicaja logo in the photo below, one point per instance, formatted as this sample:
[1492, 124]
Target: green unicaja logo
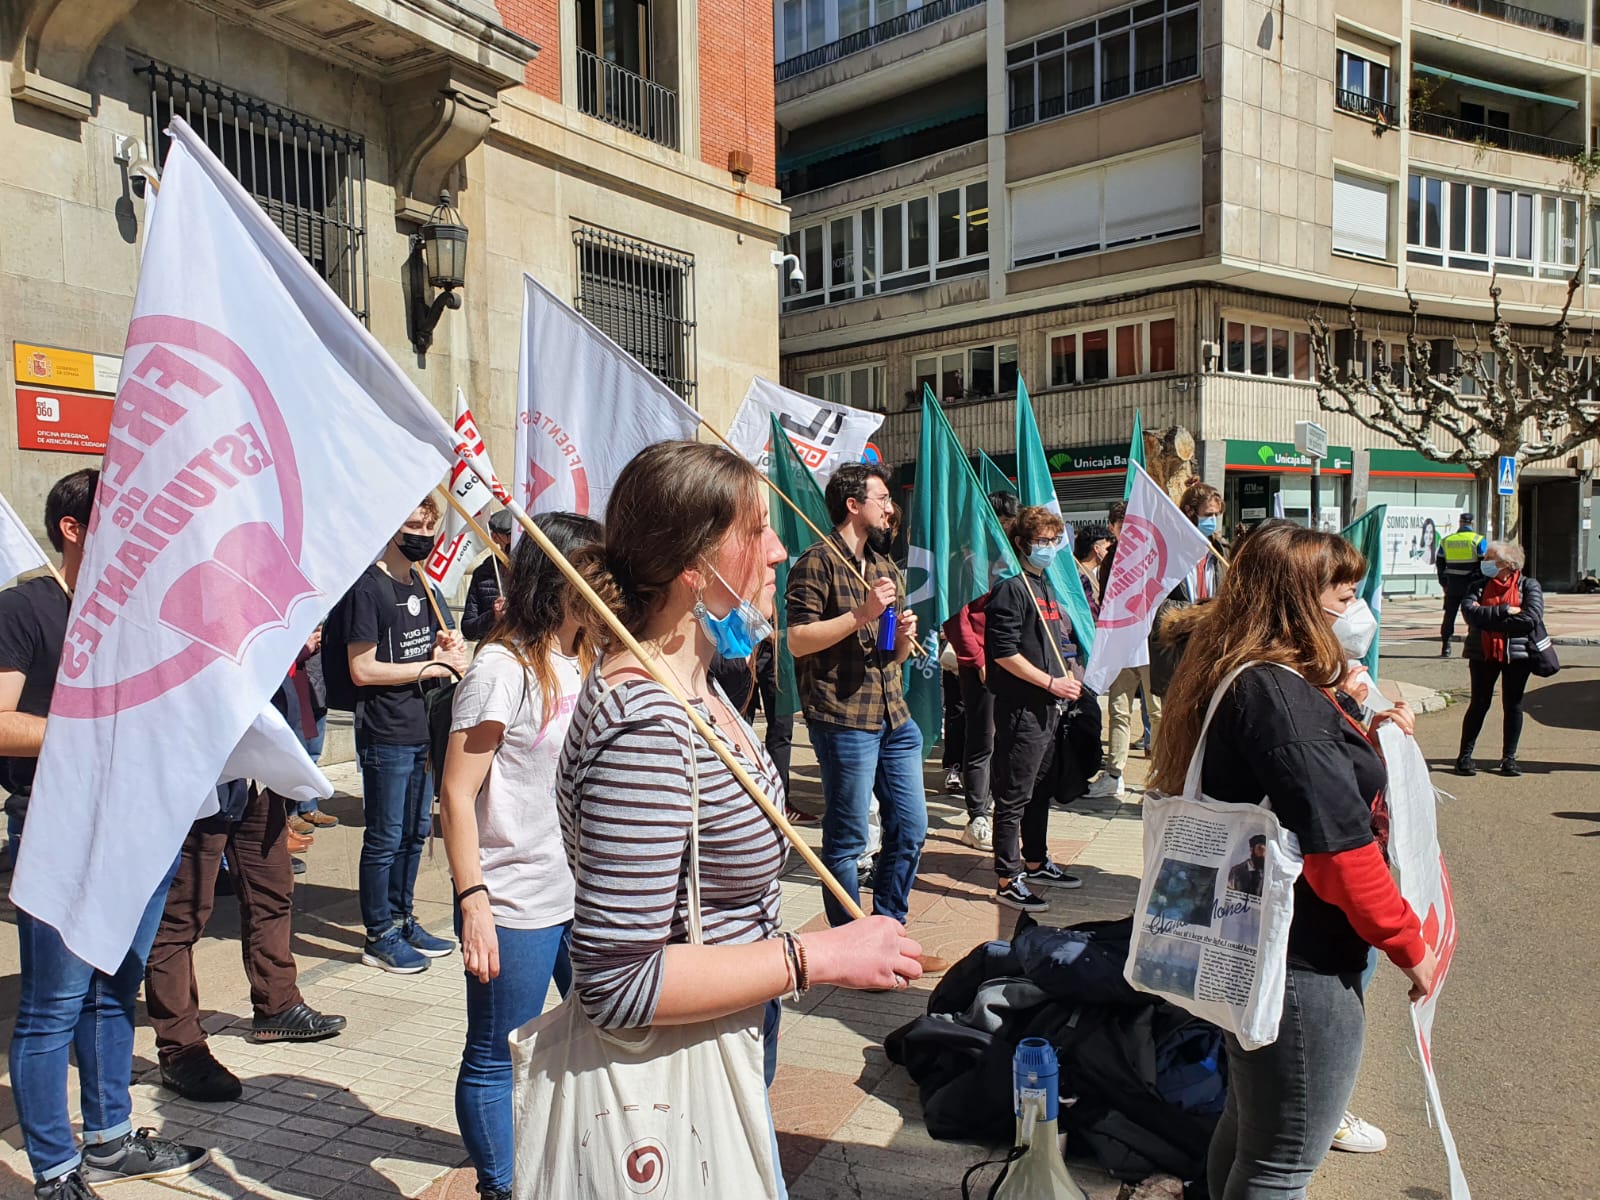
[1266, 454]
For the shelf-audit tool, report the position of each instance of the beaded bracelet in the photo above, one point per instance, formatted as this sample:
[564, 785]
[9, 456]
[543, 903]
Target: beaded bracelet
[797, 948]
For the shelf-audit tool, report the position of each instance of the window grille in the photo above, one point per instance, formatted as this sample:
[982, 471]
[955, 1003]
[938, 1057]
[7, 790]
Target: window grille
[642, 297]
[310, 179]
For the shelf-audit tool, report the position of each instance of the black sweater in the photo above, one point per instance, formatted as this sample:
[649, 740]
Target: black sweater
[1012, 626]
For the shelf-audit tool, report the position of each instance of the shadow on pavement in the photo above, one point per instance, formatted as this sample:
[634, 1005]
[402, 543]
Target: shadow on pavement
[1565, 705]
[1581, 816]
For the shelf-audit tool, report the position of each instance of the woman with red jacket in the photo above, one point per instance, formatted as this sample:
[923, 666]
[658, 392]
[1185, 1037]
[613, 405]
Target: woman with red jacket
[1504, 611]
[1280, 736]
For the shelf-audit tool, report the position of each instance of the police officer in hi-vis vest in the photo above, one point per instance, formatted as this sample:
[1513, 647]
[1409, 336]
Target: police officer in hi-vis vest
[1457, 566]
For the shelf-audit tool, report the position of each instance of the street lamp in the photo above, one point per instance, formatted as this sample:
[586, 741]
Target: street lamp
[438, 261]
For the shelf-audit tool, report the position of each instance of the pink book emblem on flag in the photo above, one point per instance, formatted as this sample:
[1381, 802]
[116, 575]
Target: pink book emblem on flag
[250, 586]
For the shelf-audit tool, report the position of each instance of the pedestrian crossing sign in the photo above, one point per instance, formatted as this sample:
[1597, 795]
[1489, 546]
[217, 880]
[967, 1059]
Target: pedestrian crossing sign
[1507, 475]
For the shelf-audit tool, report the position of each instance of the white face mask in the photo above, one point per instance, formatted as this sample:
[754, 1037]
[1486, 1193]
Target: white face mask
[1355, 627]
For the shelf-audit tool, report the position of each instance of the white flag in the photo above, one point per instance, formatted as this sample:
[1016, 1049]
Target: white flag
[585, 406]
[824, 434]
[262, 450]
[19, 553]
[1158, 546]
[274, 756]
[459, 545]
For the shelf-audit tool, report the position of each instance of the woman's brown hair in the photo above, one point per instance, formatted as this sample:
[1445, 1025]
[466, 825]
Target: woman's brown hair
[1269, 610]
[671, 508]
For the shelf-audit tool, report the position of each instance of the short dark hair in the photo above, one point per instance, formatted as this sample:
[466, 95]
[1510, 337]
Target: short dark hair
[1005, 505]
[1118, 512]
[1258, 840]
[1033, 523]
[1086, 536]
[849, 482]
[72, 496]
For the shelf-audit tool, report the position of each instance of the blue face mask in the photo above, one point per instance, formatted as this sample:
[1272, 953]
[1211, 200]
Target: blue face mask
[1489, 567]
[1043, 556]
[736, 635]
[1207, 525]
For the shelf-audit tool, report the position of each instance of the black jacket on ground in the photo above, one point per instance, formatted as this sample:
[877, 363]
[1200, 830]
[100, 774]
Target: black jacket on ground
[1517, 628]
[477, 615]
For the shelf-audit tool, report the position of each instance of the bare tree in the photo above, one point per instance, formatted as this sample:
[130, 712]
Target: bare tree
[1520, 396]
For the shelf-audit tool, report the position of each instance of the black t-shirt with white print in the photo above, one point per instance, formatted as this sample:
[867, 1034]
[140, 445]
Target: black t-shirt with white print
[397, 618]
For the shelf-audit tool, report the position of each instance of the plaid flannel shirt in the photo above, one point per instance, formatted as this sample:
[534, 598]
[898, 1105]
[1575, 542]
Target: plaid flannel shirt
[852, 683]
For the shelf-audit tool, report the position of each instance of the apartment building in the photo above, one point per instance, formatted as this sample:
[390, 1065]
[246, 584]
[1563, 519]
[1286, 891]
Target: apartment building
[1135, 206]
[622, 153]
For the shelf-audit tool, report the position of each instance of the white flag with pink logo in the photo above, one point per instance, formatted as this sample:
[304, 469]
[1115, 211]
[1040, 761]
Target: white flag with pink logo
[585, 407]
[19, 553]
[459, 545]
[262, 450]
[1158, 546]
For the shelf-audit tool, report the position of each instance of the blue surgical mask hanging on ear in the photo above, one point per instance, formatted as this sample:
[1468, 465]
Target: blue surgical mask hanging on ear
[736, 635]
[1207, 525]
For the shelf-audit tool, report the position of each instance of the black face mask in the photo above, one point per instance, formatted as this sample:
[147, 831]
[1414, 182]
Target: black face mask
[415, 546]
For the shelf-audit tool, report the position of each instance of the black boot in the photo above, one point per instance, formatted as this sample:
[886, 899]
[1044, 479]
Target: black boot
[1445, 652]
[1464, 764]
[1508, 766]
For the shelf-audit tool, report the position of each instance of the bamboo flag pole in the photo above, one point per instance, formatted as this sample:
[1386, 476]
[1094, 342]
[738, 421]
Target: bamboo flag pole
[427, 590]
[603, 611]
[60, 578]
[482, 534]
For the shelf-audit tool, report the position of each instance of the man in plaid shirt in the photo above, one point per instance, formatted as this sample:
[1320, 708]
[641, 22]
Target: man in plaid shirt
[852, 692]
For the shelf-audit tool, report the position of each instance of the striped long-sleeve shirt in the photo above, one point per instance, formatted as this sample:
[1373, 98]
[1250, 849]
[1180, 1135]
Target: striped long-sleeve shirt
[624, 793]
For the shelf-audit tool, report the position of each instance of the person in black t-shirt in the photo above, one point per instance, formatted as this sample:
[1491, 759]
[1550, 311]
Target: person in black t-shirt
[56, 986]
[1280, 736]
[396, 648]
[1031, 691]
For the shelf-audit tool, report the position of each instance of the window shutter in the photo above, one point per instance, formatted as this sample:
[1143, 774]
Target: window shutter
[1155, 195]
[1055, 217]
[1360, 216]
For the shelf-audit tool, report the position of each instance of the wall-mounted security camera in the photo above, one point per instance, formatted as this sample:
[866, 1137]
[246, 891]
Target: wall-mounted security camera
[792, 261]
[1209, 353]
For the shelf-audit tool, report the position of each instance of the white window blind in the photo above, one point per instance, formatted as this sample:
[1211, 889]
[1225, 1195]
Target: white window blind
[1055, 216]
[1360, 216]
[1154, 195]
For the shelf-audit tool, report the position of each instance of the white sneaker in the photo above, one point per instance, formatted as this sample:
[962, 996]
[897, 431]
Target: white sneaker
[1358, 1137]
[979, 834]
[1107, 786]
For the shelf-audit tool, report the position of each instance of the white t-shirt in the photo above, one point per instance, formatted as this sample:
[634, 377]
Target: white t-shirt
[519, 833]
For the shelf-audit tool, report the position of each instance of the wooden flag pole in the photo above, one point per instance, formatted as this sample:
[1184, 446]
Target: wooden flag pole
[427, 590]
[60, 578]
[603, 611]
[472, 522]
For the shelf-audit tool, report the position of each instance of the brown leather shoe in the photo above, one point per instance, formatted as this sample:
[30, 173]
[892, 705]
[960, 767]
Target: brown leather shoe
[319, 819]
[932, 964]
[299, 843]
[298, 824]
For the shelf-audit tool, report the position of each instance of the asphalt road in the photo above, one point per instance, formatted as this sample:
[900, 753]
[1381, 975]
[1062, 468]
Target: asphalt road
[1517, 1039]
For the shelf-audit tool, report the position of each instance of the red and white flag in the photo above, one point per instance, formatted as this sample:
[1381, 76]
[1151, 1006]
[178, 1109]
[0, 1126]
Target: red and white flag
[1158, 546]
[459, 545]
[585, 407]
[824, 434]
[263, 448]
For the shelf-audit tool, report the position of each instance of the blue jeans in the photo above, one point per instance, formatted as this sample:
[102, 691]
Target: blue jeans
[398, 807]
[66, 1005]
[854, 762]
[529, 959]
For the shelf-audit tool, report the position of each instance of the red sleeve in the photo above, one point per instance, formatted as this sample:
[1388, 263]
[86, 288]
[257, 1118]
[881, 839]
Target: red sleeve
[1359, 883]
[965, 633]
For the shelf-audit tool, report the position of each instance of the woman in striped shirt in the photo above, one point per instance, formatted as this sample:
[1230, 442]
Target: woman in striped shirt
[687, 542]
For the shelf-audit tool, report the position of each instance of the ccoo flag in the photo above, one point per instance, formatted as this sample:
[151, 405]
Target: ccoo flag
[1034, 487]
[1158, 547]
[958, 553]
[1365, 533]
[585, 407]
[262, 450]
[459, 545]
[790, 476]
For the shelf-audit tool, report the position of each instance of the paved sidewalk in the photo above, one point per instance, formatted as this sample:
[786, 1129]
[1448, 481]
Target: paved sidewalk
[370, 1114]
[1573, 620]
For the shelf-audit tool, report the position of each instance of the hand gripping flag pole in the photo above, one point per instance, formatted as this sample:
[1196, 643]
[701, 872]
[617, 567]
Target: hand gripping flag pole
[603, 611]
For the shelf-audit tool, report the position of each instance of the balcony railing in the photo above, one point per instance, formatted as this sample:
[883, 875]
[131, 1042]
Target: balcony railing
[1446, 126]
[619, 97]
[1364, 106]
[1515, 14]
[907, 22]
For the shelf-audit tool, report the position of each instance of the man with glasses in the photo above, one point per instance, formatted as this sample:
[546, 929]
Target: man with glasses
[852, 692]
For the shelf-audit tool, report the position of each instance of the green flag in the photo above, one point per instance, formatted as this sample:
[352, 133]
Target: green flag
[958, 552]
[1034, 487]
[1135, 451]
[1366, 534]
[991, 478]
[791, 477]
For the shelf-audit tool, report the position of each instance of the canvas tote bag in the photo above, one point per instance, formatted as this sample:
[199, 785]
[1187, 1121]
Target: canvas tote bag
[1211, 927]
[668, 1111]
